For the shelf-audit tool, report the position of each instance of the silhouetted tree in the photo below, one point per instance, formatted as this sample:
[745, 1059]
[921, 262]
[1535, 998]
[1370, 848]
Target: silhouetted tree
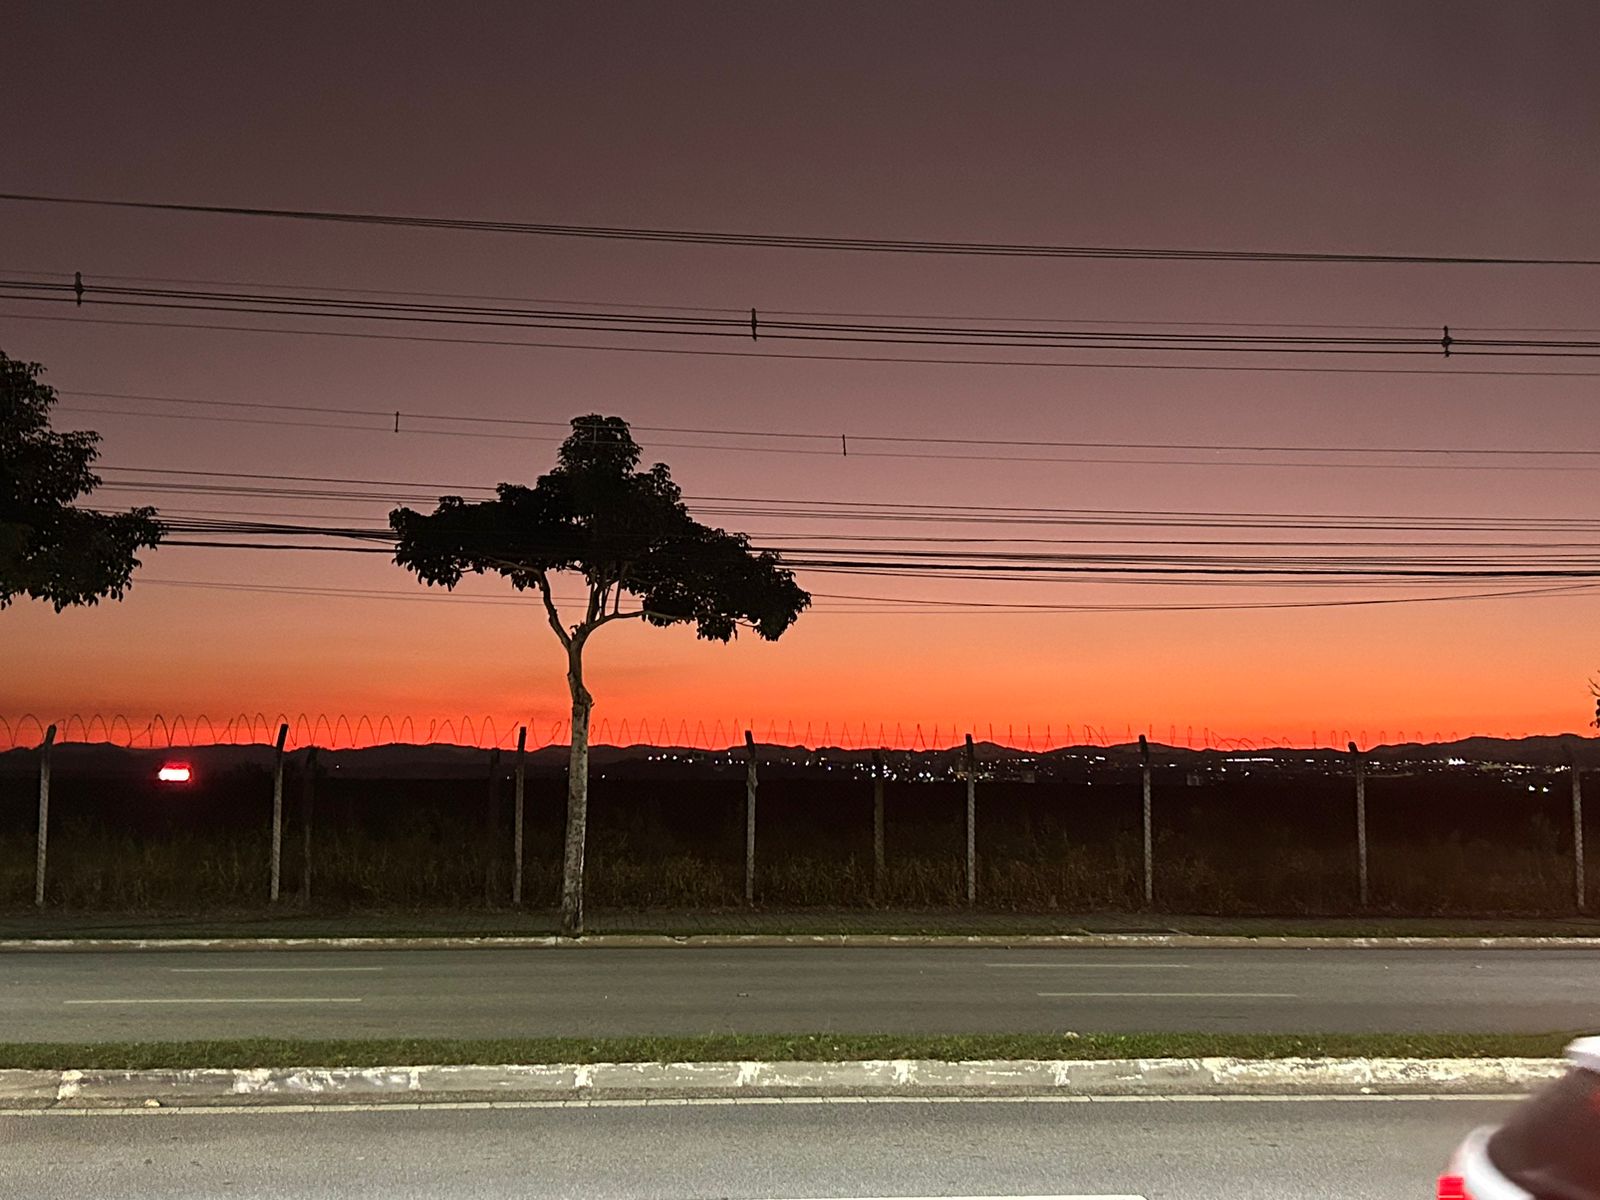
[50, 550]
[626, 532]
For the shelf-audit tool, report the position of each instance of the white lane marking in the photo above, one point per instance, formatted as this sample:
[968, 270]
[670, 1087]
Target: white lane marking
[263, 970]
[232, 1000]
[1113, 966]
[263, 1110]
[1173, 995]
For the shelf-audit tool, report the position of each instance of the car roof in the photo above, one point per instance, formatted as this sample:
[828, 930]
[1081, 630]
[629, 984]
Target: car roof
[1585, 1053]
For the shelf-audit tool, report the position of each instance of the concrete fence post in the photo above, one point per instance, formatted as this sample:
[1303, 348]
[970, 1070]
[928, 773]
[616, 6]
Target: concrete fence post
[44, 816]
[1579, 885]
[308, 799]
[273, 888]
[491, 827]
[877, 825]
[1361, 821]
[1149, 852]
[972, 818]
[749, 817]
[516, 819]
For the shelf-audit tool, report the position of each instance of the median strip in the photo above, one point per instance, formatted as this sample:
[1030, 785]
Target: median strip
[111, 1075]
[810, 1047]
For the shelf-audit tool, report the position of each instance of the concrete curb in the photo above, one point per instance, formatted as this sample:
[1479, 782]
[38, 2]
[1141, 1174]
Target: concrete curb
[1093, 941]
[1154, 1077]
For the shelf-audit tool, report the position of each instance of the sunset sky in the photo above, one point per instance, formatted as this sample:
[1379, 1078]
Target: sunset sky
[1437, 129]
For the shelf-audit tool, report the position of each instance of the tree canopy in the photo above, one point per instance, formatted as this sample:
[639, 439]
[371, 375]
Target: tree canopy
[626, 531]
[629, 534]
[50, 549]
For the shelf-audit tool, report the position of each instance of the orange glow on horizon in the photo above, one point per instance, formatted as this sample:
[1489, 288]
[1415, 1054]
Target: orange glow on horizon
[487, 731]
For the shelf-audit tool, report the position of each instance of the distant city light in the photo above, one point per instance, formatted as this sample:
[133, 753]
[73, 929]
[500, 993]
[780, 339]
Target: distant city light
[175, 773]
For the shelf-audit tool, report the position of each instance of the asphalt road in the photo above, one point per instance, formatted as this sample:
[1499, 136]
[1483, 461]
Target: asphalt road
[1159, 1150]
[597, 992]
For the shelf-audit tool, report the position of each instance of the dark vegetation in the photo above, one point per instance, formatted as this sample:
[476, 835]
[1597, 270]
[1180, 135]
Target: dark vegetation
[50, 548]
[1442, 843]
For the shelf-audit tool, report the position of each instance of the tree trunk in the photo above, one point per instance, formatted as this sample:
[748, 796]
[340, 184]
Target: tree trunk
[577, 795]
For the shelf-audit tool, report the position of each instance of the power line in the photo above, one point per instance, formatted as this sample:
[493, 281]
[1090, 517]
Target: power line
[421, 491]
[890, 606]
[784, 356]
[879, 539]
[1006, 458]
[794, 241]
[1534, 563]
[404, 423]
[653, 324]
[743, 310]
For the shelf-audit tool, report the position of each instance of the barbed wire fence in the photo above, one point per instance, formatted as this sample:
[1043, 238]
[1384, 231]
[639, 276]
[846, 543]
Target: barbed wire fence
[343, 731]
[967, 774]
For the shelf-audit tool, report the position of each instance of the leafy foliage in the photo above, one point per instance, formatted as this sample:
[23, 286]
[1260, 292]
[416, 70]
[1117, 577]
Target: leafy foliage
[626, 531]
[49, 549]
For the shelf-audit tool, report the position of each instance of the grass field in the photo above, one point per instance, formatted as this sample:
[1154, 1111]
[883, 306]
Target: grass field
[1443, 847]
[96, 870]
[814, 1047]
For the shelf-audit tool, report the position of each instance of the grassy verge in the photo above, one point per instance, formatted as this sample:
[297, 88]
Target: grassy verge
[814, 1047]
[243, 923]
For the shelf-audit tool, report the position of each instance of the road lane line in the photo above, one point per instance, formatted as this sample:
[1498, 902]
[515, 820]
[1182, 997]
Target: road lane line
[263, 970]
[1175, 995]
[1099, 966]
[231, 1000]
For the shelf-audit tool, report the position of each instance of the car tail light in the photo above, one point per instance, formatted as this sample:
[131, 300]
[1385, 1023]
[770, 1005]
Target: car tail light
[1453, 1187]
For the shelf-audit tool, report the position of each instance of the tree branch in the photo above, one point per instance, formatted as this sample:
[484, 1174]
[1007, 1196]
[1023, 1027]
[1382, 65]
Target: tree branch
[607, 618]
[622, 576]
[550, 609]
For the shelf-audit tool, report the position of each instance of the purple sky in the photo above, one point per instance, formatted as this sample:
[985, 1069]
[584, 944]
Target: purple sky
[1383, 127]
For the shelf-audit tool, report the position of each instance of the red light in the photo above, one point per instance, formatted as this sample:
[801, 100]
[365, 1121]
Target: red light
[175, 773]
[1453, 1187]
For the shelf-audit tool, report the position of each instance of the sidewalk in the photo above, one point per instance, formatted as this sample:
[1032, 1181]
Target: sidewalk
[533, 1083]
[292, 923]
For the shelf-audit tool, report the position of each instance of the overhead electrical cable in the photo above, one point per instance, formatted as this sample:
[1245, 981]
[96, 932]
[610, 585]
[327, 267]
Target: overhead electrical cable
[793, 241]
[654, 324]
[890, 606]
[423, 491]
[743, 310]
[831, 438]
[1531, 563]
[1437, 370]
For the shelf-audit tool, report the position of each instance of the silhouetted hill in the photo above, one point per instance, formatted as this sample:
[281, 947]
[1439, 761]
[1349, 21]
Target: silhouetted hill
[400, 761]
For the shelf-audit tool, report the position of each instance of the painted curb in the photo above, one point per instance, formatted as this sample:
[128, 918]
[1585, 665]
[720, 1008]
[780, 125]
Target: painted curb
[1152, 1077]
[1096, 941]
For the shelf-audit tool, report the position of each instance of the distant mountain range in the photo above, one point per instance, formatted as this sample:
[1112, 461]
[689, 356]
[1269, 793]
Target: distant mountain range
[449, 761]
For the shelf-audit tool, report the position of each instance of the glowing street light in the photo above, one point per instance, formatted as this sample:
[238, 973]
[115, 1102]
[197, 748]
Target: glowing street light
[175, 772]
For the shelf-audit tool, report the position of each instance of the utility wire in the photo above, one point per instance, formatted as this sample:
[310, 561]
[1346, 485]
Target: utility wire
[743, 311]
[992, 540]
[889, 606]
[1539, 562]
[794, 241]
[407, 420]
[1124, 460]
[648, 324]
[420, 491]
[786, 356]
